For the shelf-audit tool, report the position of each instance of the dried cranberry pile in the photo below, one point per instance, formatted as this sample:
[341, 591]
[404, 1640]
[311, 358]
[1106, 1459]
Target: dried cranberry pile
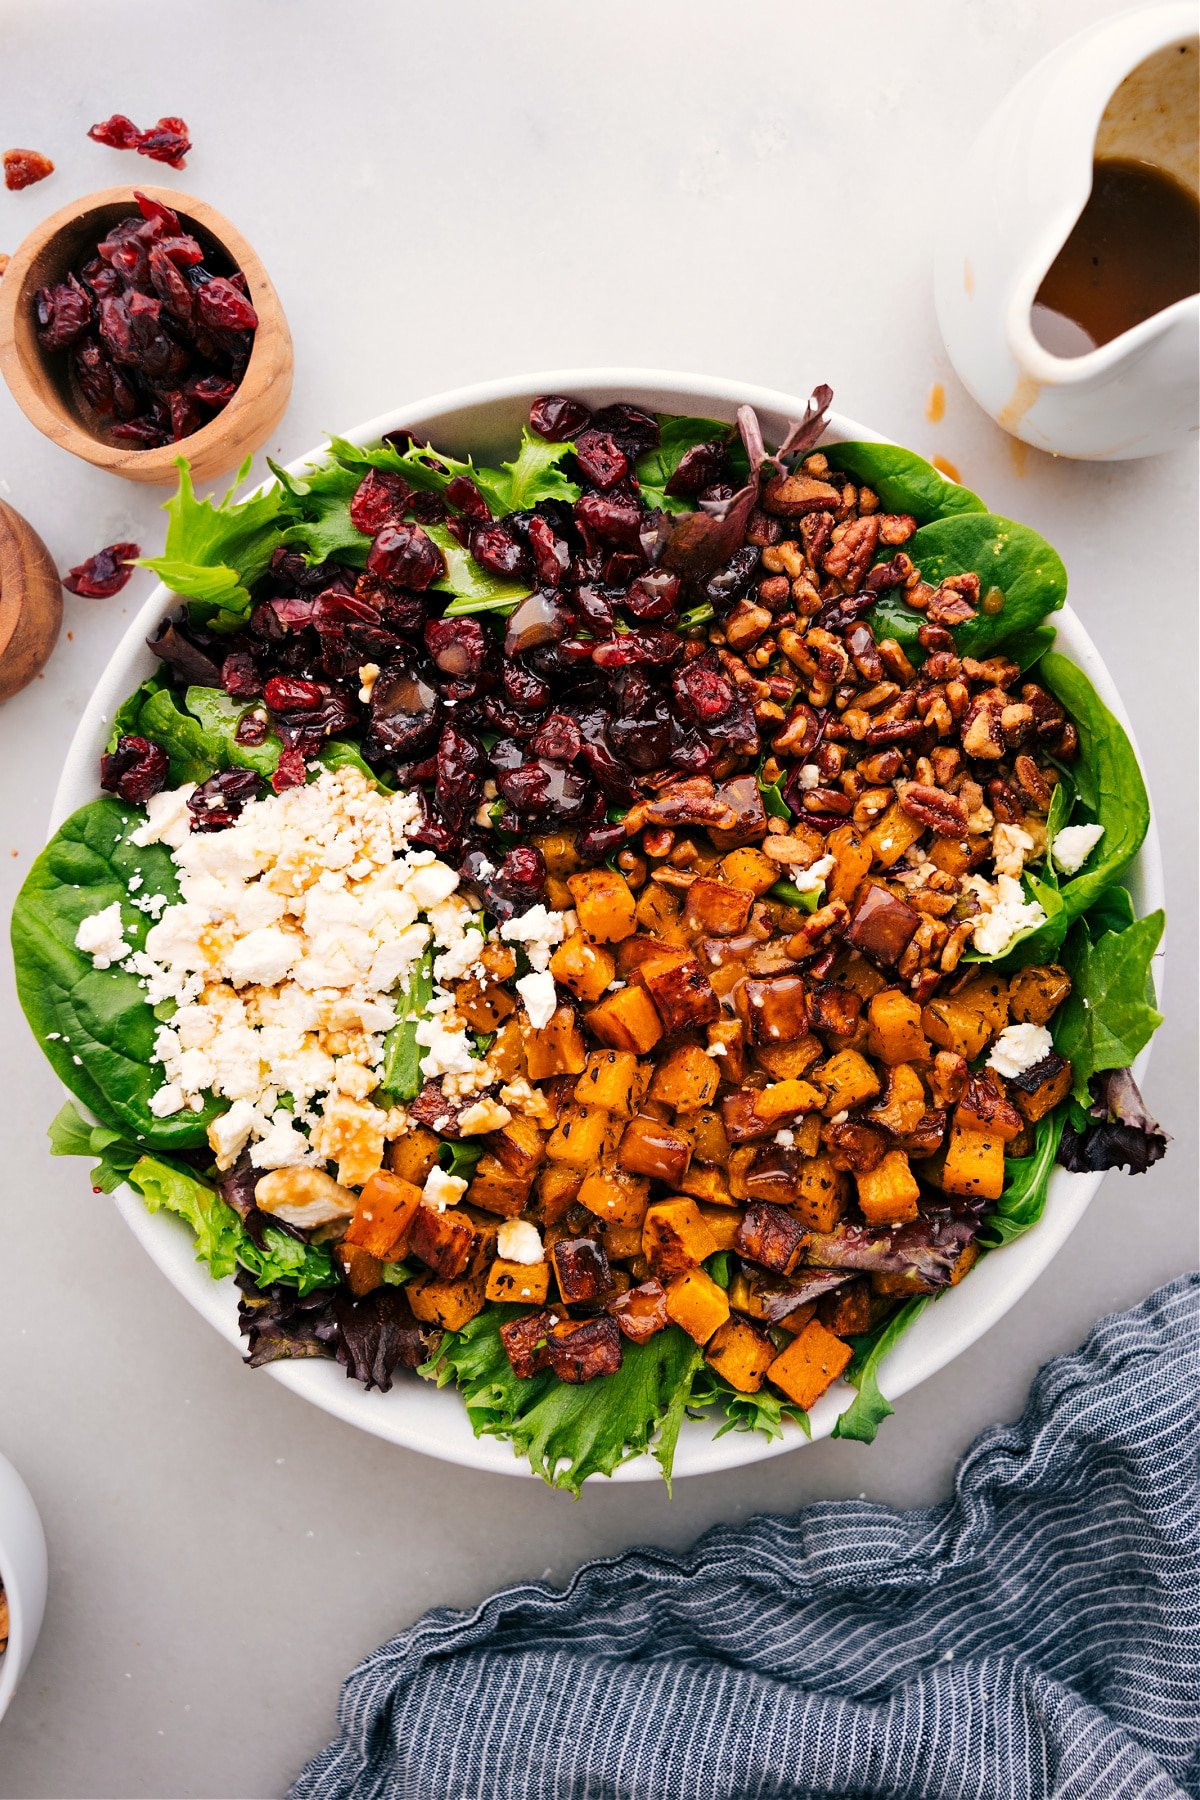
[157, 342]
[593, 689]
[167, 142]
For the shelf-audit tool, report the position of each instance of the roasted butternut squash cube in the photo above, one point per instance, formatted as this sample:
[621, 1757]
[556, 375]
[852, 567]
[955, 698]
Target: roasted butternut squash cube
[772, 1299]
[558, 894]
[903, 1104]
[715, 908]
[697, 1303]
[953, 1025]
[847, 1080]
[446, 1242]
[851, 862]
[626, 1020]
[583, 1137]
[857, 973]
[581, 1269]
[648, 1147]
[560, 853]
[788, 1062]
[582, 1350]
[622, 1243]
[687, 1078]
[773, 1171]
[675, 1237]
[771, 1236]
[774, 1008]
[520, 1145]
[413, 1155]
[1036, 993]
[705, 1181]
[967, 1257]
[586, 968]
[761, 1112]
[609, 1081]
[974, 1164]
[888, 1193]
[640, 1311]
[723, 1222]
[657, 913]
[526, 1343]
[450, 1304]
[615, 1195]
[989, 996]
[727, 1044]
[741, 1353]
[1038, 1090]
[554, 1191]
[383, 1218]
[820, 1197]
[604, 903]
[952, 855]
[881, 927]
[682, 994]
[895, 1028]
[749, 869]
[362, 1271]
[705, 1132]
[556, 1048]
[484, 1004]
[847, 1312]
[892, 835]
[497, 1189]
[507, 1054]
[984, 1108]
[811, 1363]
[522, 1284]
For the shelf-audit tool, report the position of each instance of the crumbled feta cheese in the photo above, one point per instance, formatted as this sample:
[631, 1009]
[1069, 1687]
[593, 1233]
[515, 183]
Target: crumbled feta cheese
[810, 776]
[101, 936]
[718, 1049]
[1019, 1047]
[168, 820]
[814, 877]
[305, 1198]
[538, 931]
[1005, 912]
[263, 957]
[166, 1100]
[1011, 846]
[540, 997]
[368, 675]
[1074, 844]
[228, 1135]
[282, 1146]
[785, 1138]
[483, 1115]
[447, 1052]
[531, 1101]
[520, 1242]
[442, 1190]
[839, 1118]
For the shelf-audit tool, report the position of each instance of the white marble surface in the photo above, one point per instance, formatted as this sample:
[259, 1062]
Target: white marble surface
[443, 194]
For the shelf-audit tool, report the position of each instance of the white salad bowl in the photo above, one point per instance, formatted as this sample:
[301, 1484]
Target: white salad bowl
[23, 1573]
[486, 420]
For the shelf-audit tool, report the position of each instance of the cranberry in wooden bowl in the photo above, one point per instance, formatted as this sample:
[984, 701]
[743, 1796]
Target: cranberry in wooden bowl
[210, 406]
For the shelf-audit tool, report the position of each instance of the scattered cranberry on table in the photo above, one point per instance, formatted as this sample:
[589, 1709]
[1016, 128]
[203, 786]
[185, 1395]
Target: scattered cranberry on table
[23, 167]
[103, 574]
[166, 142]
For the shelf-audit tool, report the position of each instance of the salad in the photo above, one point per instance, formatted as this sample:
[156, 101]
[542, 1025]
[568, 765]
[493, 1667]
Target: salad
[620, 931]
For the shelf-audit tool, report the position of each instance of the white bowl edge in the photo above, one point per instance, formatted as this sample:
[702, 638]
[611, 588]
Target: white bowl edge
[23, 1570]
[434, 1421]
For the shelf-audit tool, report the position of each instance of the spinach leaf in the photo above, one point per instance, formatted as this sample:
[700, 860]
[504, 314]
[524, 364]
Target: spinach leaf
[202, 740]
[1109, 1015]
[191, 754]
[459, 1158]
[1026, 1183]
[215, 551]
[220, 715]
[1011, 559]
[806, 899]
[94, 1024]
[126, 718]
[905, 482]
[655, 467]
[867, 1411]
[569, 1433]
[401, 1074]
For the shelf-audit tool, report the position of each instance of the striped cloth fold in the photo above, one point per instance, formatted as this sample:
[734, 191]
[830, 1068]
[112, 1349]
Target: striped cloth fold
[1036, 1636]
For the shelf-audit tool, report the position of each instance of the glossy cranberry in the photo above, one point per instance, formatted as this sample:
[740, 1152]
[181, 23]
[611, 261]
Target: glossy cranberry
[134, 770]
[496, 549]
[148, 207]
[541, 619]
[143, 434]
[696, 468]
[558, 739]
[240, 675]
[253, 727]
[431, 830]
[635, 431]
[223, 308]
[549, 552]
[186, 416]
[63, 313]
[380, 499]
[118, 132]
[284, 694]
[169, 284]
[599, 842]
[622, 567]
[104, 574]
[462, 493]
[653, 596]
[337, 606]
[511, 728]
[167, 142]
[217, 802]
[652, 644]
[93, 374]
[457, 646]
[403, 713]
[461, 765]
[692, 755]
[596, 607]
[614, 518]
[184, 251]
[600, 458]
[642, 742]
[557, 417]
[734, 578]
[702, 693]
[405, 554]
[523, 688]
[289, 770]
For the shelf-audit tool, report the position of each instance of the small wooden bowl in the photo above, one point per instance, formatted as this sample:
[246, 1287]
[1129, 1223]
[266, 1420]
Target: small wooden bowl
[40, 380]
[30, 602]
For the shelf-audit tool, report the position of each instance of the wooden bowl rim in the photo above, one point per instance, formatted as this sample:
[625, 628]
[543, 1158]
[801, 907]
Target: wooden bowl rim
[58, 422]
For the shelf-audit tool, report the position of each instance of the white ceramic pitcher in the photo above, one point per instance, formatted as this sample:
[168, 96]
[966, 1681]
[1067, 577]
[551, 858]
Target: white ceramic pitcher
[1125, 88]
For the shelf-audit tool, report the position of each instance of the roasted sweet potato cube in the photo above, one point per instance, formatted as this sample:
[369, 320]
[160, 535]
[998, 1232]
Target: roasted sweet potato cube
[987, 995]
[384, 1216]
[445, 1242]
[609, 1081]
[581, 1269]
[881, 926]
[856, 972]
[581, 1351]
[697, 1303]
[524, 1284]
[903, 1102]
[450, 1304]
[895, 1028]
[820, 1197]
[657, 914]
[633, 952]
[750, 869]
[604, 904]
[704, 1131]
[1036, 993]
[507, 1054]
[556, 1048]
[705, 1181]
[974, 1164]
[520, 1145]
[811, 1362]
[770, 1172]
[955, 1026]
[888, 1193]
[682, 994]
[483, 1004]
[741, 1353]
[953, 856]
[846, 1080]
[772, 1237]
[723, 1222]
[892, 835]
[686, 1078]
[554, 1191]
[964, 1262]
[788, 1062]
[761, 1112]
[362, 1271]
[615, 1195]
[984, 1108]
[675, 1237]
[727, 1044]
[526, 1343]
[583, 1137]
[847, 1312]
[496, 1189]
[1039, 1090]
[586, 968]
[773, 1007]
[834, 1009]
[622, 1243]
[851, 861]
[649, 1147]
[854, 1145]
[640, 1311]
[626, 1020]
[413, 1155]
[715, 908]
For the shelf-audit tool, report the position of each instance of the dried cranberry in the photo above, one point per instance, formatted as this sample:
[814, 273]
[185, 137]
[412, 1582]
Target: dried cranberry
[118, 132]
[557, 417]
[496, 549]
[600, 841]
[643, 741]
[462, 493]
[146, 205]
[23, 167]
[252, 727]
[653, 595]
[93, 373]
[170, 286]
[614, 518]
[522, 874]
[335, 606]
[461, 764]
[651, 645]
[734, 578]
[558, 739]
[403, 714]
[240, 675]
[103, 574]
[596, 606]
[622, 567]
[289, 770]
[186, 416]
[217, 802]
[696, 468]
[380, 499]
[134, 770]
[146, 433]
[523, 688]
[635, 431]
[702, 693]
[601, 460]
[284, 694]
[549, 552]
[63, 313]
[222, 308]
[457, 646]
[407, 555]
[432, 830]
[211, 390]
[166, 142]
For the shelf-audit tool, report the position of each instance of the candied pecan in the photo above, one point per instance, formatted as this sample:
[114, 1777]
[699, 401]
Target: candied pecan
[955, 600]
[1004, 802]
[774, 593]
[692, 801]
[1033, 783]
[955, 945]
[792, 496]
[891, 574]
[825, 803]
[860, 643]
[943, 813]
[895, 662]
[948, 1078]
[925, 945]
[762, 530]
[1016, 722]
[822, 928]
[815, 532]
[884, 765]
[801, 734]
[895, 731]
[1066, 745]
[745, 624]
[896, 528]
[849, 555]
[982, 734]
[996, 671]
[1048, 716]
[934, 638]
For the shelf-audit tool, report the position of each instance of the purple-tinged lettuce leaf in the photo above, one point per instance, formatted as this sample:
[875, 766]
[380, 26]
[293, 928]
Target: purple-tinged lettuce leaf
[1121, 1133]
